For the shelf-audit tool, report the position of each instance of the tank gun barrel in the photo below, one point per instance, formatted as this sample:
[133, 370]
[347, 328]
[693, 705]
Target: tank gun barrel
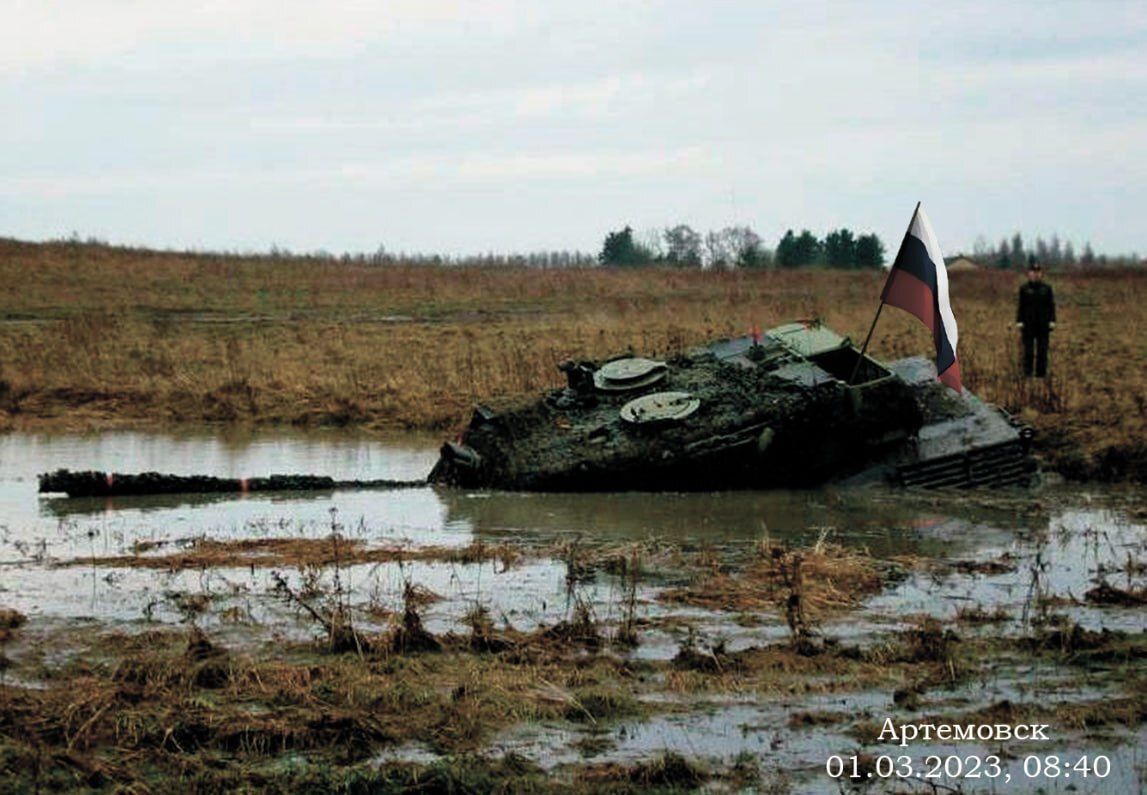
[114, 484]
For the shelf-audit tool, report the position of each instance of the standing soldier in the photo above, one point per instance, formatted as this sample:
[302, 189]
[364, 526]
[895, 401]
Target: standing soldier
[1035, 318]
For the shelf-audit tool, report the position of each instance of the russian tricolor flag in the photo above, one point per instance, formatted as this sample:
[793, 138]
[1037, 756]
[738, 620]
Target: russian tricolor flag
[918, 283]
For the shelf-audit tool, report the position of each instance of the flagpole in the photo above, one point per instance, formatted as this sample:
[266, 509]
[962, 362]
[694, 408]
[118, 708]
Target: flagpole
[872, 328]
[864, 347]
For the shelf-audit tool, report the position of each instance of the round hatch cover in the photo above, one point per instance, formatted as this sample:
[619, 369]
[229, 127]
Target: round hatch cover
[660, 407]
[624, 374]
[629, 369]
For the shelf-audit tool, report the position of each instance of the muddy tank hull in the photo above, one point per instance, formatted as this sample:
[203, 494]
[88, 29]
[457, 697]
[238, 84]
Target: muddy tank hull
[797, 407]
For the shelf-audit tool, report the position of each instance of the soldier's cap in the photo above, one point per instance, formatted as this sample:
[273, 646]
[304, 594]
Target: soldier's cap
[1034, 266]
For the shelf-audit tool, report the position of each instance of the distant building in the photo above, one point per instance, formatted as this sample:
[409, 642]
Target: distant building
[961, 263]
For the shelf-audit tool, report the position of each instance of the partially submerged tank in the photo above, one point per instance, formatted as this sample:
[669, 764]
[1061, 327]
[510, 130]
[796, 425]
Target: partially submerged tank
[798, 406]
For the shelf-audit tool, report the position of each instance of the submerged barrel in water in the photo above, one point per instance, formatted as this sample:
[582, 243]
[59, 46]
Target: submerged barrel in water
[797, 407]
[114, 484]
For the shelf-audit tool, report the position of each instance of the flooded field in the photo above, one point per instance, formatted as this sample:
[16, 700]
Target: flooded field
[466, 641]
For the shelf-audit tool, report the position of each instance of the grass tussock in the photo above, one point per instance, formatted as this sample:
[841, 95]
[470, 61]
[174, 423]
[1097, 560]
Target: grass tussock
[669, 772]
[805, 584]
[1081, 646]
[206, 553]
[175, 703]
[10, 621]
[978, 614]
[784, 668]
[92, 336]
[1126, 710]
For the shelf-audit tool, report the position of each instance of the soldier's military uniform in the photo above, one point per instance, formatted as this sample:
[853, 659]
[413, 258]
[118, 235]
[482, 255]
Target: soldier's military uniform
[1035, 315]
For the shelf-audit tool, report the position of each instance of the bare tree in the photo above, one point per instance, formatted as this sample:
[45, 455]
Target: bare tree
[718, 253]
[682, 246]
[981, 249]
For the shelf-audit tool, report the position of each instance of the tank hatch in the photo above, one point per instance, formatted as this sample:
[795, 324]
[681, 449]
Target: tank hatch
[808, 339]
[660, 407]
[622, 375]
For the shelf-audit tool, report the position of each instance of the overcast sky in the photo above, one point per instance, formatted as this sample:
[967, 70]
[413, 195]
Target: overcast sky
[435, 126]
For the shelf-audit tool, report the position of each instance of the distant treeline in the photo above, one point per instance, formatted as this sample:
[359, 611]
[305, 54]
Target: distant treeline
[1054, 254]
[740, 247]
[381, 256]
[676, 246]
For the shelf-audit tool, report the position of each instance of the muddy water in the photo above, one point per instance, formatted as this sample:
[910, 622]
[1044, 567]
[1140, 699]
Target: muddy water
[62, 528]
[40, 533]
[36, 526]
[1057, 544]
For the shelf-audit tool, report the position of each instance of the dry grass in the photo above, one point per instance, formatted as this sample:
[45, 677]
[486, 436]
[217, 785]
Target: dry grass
[148, 710]
[824, 578]
[206, 553]
[163, 702]
[94, 336]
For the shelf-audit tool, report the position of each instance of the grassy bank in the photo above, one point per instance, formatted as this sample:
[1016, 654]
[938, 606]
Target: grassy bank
[95, 336]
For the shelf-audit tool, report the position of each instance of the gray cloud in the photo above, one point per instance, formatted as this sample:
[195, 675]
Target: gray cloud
[442, 126]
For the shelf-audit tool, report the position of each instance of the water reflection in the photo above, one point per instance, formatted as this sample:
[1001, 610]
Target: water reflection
[37, 533]
[224, 452]
[436, 516]
[31, 525]
[872, 518]
[37, 526]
